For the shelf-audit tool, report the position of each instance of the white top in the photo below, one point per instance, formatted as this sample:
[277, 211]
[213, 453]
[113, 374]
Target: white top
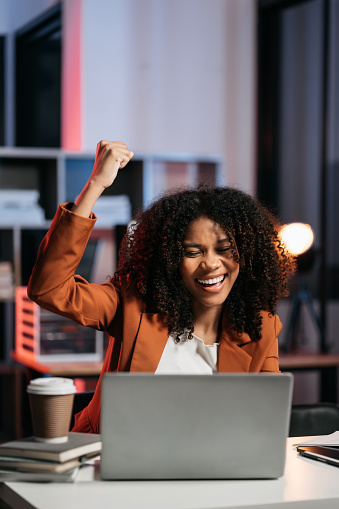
[188, 356]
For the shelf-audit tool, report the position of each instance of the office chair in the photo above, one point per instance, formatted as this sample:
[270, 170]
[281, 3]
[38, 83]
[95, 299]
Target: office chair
[314, 419]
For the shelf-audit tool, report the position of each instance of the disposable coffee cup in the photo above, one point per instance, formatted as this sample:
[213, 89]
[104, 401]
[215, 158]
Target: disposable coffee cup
[51, 401]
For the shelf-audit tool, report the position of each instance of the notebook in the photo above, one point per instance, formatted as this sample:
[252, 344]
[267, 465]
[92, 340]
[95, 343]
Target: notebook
[222, 426]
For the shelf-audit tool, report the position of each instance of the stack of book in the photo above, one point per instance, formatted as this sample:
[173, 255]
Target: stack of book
[29, 460]
[7, 288]
[113, 210]
[20, 206]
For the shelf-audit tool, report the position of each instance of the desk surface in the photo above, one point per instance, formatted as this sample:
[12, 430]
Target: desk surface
[71, 369]
[306, 483]
[302, 360]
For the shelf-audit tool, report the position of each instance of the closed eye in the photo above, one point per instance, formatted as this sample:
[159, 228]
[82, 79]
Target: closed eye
[192, 254]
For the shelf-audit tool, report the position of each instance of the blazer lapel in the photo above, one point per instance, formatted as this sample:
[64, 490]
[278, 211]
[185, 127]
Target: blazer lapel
[150, 343]
[232, 357]
[153, 335]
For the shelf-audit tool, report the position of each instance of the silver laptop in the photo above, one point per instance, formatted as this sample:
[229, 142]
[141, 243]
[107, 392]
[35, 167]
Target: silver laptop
[223, 426]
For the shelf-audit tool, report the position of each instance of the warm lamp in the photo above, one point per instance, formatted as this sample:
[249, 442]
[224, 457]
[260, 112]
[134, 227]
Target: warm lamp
[297, 237]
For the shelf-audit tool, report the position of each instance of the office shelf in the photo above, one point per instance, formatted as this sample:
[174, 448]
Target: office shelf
[59, 176]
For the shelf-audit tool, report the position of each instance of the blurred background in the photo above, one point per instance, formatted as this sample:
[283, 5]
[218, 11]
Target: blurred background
[229, 92]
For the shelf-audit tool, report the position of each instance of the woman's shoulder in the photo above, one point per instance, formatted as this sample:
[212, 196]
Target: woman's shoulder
[127, 286]
[270, 323]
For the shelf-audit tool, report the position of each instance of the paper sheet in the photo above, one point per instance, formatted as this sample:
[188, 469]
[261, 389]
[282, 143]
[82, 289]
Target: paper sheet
[327, 440]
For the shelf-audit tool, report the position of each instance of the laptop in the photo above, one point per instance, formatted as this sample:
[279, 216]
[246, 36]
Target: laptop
[222, 426]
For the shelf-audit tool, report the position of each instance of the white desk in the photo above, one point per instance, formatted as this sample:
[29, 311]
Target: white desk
[306, 484]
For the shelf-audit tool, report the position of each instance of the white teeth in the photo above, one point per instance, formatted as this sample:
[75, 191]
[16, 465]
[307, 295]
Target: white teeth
[211, 281]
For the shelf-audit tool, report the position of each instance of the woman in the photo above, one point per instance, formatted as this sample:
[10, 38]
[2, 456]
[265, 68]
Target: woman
[198, 280]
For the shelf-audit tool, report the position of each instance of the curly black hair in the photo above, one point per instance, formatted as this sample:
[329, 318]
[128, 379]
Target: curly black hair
[152, 250]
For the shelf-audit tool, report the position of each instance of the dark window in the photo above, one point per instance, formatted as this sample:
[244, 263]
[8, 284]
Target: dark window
[2, 90]
[38, 81]
[298, 105]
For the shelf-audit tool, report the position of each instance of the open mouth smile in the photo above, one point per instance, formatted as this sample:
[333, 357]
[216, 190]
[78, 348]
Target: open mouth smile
[211, 281]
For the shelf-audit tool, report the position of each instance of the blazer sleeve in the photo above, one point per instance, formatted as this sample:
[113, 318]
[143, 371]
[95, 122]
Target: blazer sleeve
[53, 284]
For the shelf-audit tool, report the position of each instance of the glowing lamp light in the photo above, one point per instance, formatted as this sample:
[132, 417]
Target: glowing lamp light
[297, 237]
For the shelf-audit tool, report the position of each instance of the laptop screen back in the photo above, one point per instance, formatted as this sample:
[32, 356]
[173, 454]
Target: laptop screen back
[194, 426]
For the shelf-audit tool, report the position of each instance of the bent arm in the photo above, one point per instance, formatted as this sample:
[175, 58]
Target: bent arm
[53, 284]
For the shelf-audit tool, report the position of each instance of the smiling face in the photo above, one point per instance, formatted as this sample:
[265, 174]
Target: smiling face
[208, 267]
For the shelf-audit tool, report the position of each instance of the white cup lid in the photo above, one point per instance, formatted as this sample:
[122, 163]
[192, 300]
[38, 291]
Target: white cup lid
[51, 386]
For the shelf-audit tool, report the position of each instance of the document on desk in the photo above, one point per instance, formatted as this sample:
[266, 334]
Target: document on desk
[331, 440]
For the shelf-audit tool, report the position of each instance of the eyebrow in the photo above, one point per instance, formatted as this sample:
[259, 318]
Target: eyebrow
[189, 244]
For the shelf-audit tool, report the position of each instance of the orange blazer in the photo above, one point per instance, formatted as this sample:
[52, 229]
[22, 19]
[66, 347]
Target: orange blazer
[137, 337]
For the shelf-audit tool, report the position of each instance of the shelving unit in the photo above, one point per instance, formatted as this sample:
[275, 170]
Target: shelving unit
[59, 176]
